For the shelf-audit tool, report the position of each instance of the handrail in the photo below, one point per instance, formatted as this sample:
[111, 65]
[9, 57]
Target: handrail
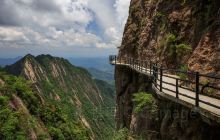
[159, 74]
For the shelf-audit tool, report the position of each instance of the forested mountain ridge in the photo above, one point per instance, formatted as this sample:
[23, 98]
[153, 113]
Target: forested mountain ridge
[60, 100]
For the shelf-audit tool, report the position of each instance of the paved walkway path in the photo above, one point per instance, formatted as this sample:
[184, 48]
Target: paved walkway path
[212, 110]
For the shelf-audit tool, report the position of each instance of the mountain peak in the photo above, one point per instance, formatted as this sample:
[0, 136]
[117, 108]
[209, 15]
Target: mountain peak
[28, 56]
[45, 55]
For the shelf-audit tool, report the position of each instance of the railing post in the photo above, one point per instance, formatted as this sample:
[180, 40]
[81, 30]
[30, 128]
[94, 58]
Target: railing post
[177, 88]
[161, 79]
[135, 63]
[132, 61]
[197, 89]
[140, 65]
[110, 59]
[154, 75]
[115, 58]
[139, 62]
[129, 61]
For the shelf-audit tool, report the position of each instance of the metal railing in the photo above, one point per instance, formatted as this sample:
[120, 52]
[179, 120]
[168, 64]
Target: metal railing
[192, 83]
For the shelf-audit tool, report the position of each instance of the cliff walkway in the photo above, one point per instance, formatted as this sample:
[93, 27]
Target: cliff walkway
[184, 87]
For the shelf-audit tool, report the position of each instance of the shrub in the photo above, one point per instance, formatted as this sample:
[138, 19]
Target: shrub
[9, 125]
[183, 75]
[183, 49]
[174, 49]
[171, 38]
[3, 101]
[121, 134]
[141, 100]
[56, 133]
[159, 14]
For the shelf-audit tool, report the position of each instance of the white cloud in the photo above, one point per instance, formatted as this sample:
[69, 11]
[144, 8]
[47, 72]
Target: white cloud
[104, 13]
[11, 34]
[122, 8]
[62, 23]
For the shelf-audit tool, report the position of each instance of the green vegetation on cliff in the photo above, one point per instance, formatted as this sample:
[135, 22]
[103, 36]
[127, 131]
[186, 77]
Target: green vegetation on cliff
[22, 112]
[142, 100]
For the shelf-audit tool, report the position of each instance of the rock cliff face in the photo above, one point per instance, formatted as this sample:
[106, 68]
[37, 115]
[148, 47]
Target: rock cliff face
[175, 34]
[161, 30]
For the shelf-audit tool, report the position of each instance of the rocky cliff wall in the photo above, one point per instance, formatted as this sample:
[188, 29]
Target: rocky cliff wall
[175, 34]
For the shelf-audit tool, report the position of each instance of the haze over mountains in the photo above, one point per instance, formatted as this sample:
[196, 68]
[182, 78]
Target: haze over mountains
[8, 61]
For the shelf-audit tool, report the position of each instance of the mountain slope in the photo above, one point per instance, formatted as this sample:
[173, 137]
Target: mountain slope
[70, 88]
[105, 76]
[23, 115]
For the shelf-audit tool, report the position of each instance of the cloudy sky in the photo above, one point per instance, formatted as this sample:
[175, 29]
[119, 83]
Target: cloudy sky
[68, 28]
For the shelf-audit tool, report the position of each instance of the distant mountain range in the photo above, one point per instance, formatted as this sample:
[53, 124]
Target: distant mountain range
[99, 67]
[8, 61]
[99, 63]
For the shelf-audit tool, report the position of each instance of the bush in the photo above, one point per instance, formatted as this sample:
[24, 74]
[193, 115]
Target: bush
[171, 38]
[3, 101]
[56, 133]
[141, 100]
[9, 125]
[122, 134]
[159, 14]
[183, 49]
[183, 75]
[174, 49]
